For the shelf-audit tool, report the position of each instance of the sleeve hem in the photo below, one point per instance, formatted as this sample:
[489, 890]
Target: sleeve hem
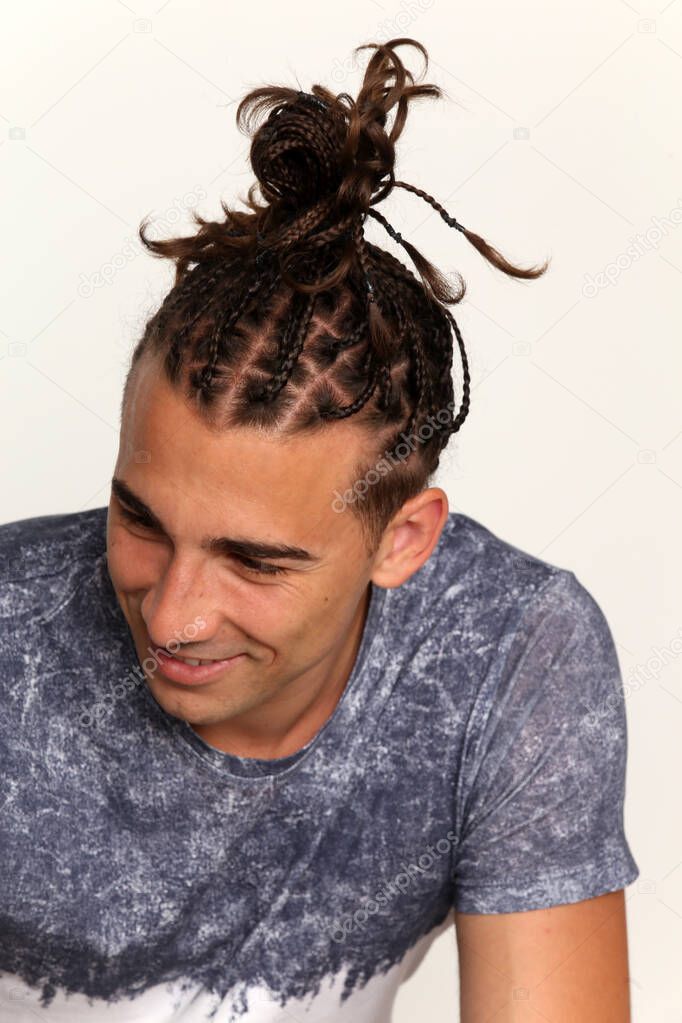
[584, 882]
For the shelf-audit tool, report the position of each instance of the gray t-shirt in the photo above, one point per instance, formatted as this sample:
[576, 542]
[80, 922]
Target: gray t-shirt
[475, 761]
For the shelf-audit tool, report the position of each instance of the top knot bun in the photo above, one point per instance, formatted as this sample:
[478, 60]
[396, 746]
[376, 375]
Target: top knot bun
[322, 162]
[315, 147]
[296, 154]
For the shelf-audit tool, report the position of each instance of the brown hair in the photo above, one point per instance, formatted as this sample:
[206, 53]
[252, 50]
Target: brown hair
[284, 317]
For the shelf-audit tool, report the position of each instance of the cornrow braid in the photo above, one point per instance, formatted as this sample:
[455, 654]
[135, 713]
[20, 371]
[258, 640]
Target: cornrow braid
[189, 295]
[291, 348]
[422, 385]
[359, 242]
[224, 325]
[466, 385]
[433, 314]
[343, 411]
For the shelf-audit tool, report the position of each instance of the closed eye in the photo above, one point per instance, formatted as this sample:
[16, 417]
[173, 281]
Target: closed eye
[135, 519]
[250, 564]
[260, 567]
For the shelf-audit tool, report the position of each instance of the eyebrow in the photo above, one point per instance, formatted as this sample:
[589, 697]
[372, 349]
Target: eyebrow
[243, 547]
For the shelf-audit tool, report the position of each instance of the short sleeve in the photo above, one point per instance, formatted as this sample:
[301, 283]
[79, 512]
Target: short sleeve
[542, 783]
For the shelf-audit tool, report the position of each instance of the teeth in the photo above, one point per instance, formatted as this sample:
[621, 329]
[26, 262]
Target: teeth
[194, 661]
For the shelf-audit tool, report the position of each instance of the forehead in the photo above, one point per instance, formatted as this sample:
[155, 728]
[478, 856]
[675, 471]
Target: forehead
[170, 455]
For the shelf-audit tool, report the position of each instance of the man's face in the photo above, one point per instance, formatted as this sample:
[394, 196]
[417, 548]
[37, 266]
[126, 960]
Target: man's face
[288, 625]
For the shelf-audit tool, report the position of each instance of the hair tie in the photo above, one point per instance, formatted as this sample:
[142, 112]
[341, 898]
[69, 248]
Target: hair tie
[452, 222]
[396, 235]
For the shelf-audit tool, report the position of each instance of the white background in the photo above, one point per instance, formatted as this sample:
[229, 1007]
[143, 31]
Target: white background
[559, 136]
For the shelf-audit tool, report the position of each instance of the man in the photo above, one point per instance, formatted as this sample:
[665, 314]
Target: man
[437, 728]
[276, 718]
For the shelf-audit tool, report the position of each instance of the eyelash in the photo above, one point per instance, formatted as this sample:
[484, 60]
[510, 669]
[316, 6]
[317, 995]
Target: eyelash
[260, 567]
[249, 564]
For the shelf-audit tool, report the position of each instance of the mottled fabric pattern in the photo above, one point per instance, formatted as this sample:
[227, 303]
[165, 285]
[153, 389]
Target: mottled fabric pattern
[476, 761]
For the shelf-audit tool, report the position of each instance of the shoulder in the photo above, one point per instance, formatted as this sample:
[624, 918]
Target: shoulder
[485, 565]
[481, 603]
[481, 577]
[540, 657]
[39, 557]
[488, 553]
[39, 545]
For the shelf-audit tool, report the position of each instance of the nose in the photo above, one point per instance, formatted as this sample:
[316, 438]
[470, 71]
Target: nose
[182, 606]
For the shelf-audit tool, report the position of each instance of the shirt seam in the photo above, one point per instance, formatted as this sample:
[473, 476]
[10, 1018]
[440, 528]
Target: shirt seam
[547, 876]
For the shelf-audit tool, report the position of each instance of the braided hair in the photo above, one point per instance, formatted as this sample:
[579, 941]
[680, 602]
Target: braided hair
[284, 317]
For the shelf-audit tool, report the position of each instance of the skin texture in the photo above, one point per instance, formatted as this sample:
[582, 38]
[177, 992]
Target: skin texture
[566, 964]
[300, 630]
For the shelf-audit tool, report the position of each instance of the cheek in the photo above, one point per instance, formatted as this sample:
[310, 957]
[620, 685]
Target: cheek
[318, 625]
[290, 621]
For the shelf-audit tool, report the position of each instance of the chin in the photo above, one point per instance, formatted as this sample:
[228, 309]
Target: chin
[196, 706]
[211, 703]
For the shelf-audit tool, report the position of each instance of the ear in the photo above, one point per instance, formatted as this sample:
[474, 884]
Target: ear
[410, 537]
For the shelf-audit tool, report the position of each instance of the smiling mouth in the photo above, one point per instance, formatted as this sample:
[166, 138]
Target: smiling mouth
[194, 670]
[197, 660]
